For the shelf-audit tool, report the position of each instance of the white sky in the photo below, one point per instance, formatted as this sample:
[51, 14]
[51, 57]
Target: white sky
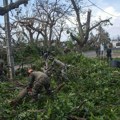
[106, 9]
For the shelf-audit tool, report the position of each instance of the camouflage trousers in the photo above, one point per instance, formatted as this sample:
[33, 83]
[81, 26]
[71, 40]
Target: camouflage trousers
[61, 77]
[37, 88]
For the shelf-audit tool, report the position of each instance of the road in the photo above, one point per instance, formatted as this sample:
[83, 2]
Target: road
[115, 54]
[89, 54]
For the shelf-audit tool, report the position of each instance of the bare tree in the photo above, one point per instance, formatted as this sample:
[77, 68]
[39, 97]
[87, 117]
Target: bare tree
[86, 28]
[45, 18]
[44, 23]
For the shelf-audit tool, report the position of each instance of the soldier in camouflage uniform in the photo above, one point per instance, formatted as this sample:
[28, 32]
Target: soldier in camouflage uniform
[57, 69]
[38, 80]
[60, 71]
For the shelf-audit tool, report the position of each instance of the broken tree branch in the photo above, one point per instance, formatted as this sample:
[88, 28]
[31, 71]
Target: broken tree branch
[102, 21]
[5, 9]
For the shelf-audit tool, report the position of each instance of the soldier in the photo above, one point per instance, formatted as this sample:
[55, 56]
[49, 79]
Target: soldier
[38, 80]
[58, 69]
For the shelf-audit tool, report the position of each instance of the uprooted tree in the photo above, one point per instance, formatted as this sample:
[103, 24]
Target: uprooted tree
[11, 6]
[84, 29]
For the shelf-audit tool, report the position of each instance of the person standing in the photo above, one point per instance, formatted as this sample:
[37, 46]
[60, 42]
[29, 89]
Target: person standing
[97, 50]
[1, 67]
[101, 50]
[109, 52]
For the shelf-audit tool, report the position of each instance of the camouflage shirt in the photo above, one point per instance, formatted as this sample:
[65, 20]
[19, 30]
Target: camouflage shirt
[38, 77]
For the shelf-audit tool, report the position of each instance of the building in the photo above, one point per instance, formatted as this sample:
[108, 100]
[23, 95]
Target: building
[115, 43]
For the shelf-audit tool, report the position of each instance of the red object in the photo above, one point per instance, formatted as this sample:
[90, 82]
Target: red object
[29, 89]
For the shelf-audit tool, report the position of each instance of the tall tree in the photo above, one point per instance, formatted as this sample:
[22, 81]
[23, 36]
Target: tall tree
[46, 17]
[83, 29]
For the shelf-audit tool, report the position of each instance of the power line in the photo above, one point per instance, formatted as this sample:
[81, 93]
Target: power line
[102, 9]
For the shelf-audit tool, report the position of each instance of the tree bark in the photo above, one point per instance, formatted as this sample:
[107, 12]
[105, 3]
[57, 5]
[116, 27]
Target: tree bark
[19, 98]
[10, 58]
[6, 9]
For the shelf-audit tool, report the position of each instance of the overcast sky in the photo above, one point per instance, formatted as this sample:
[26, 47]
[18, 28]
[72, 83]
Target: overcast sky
[106, 9]
[103, 9]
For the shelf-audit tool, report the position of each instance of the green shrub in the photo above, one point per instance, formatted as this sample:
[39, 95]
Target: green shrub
[92, 92]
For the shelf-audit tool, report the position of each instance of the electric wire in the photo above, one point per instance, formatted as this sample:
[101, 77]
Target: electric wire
[102, 9]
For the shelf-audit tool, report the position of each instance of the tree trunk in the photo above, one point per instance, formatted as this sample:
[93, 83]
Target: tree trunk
[9, 48]
[19, 98]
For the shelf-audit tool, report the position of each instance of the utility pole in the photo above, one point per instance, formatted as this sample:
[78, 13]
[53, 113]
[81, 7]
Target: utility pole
[8, 39]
